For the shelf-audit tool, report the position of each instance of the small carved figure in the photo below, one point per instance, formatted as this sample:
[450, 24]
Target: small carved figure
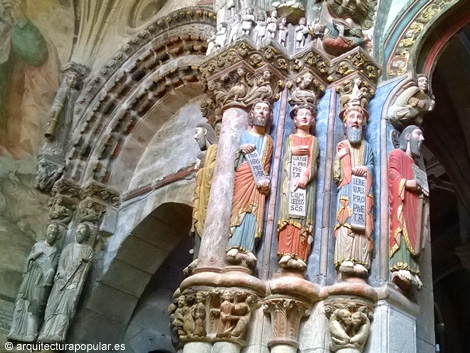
[241, 315]
[211, 42]
[348, 330]
[303, 94]
[358, 95]
[239, 89]
[271, 26]
[354, 157]
[173, 329]
[221, 35]
[89, 212]
[301, 33]
[248, 21]
[223, 313]
[74, 265]
[34, 290]
[283, 33]
[235, 28]
[198, 312]
[260, 29]
[355, 10]
[409, 209]
[58, 212]
[262, 89]
[46, 175]
[412, 104]
[180, 313]
[300, 169]
[341, 36]
[246, 222]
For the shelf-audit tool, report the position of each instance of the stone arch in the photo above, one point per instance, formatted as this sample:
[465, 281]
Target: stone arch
[422, 31]
[109, 303]
[155, 71]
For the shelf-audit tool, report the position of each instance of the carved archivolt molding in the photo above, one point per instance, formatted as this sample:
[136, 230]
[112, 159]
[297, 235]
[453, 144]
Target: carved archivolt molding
[143, 71]
[410, 39]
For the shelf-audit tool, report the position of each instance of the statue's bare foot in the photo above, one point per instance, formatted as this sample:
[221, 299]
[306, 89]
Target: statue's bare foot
[284, 260]
[360, 269]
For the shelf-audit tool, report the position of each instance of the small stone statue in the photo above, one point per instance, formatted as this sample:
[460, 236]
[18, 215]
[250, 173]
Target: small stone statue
[248, 22]
[35, 287]
[301, 33]
[283, 32]
[235, 28]
[46, 175]
[59, 212]
[409, 209]
[221, 35]
[355, 10]
[246, 222]
[262, 89]
[260, 29]
[271, 26]
[412, 104]
[198, 312]
[348, 331]
[211, 43]
[74, 265]
[241, 316]
[341, 36]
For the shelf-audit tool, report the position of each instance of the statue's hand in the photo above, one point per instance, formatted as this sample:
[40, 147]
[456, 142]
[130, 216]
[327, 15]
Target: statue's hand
[301, 182]
[263, 186]
[300, 150]
[247, 148]
[411, 185]
[360, 171]
[343, 152]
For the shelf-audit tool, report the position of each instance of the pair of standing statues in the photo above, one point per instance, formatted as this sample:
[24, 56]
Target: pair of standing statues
[353, 174]
[47, 299]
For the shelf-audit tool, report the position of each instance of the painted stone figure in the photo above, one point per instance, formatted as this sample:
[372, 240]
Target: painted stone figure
[408, 209]
[412, 104]
[297, 204]
[221, 35]
[349, 331]
[74, 265]
[301, 33]
[235, 28]
[246, 222]
[206, 139]
[271, 26]
[37, 282]
[248, 21]
[260, 29]
[355, 10]
[341, 36]
[283, 32]
[354, 165]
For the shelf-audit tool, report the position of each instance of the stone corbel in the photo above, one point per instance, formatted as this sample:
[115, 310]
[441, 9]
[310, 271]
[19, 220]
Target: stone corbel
[49, 170]
[356, 89]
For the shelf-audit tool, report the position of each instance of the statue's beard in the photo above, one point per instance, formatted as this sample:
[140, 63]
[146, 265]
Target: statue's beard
[259, 121]
[415, 148]
[354, 134]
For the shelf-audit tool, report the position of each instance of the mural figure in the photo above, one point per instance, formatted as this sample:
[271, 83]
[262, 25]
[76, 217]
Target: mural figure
[20, 40]
[297, 209]
[354, 158]
[246, 222]
[207, 141]
[37, 282]
[409, 209]
[74, 265]
[412, 104]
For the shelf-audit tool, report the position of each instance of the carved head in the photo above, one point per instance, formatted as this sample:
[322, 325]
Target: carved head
[181, 301]
[302, 21]
[307, 80]
[284, 20]
[237, 17]
[354, 123]
[52, 233]
[411, 138]
[249, 11]
[260, 114]
[204, 135]
[304, 117]
[83, 233]
[344, 316]
[274, 13]
[261, 17]
[423, 82]
[227, 295]
[358, 319]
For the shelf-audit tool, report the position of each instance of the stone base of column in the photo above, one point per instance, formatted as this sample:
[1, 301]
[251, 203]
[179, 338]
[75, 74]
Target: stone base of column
[394, 325]
[197, 347]
[226, 347]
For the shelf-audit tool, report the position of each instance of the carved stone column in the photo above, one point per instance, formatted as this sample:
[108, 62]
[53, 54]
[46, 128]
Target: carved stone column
[291, 300]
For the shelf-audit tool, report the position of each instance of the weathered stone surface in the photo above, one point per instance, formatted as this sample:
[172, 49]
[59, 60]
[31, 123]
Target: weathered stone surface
[126, 278]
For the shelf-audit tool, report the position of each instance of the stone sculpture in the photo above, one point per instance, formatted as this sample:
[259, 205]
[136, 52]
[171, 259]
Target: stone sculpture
[303, 93]
[235, 28]
[353, 168]
[260, 29]
[301, 33]
[74, 265]
[198, 312]
[248, 21]
[412, 104]
[46, 175]
[283, 32]
[355, 10]
[349, 331]
[271, 26]
[207, 141]
[297, 204]
[409, 208]
[59, 211]
[211, 46]
[34, 290]
[252, 183]
[221, 35]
